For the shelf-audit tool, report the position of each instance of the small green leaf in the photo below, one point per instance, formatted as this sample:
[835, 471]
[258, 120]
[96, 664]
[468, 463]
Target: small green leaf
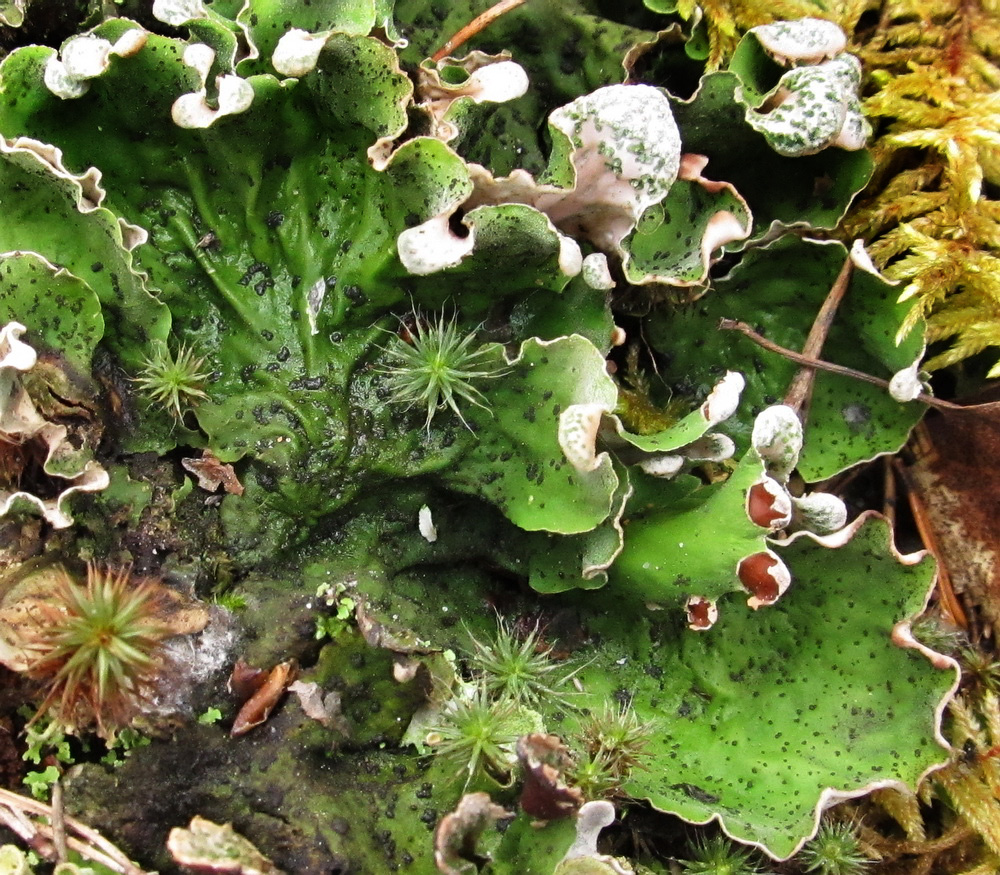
[40, 783]
[210, 716]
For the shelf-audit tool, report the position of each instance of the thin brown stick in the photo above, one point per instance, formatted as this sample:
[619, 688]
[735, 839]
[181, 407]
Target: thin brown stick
[93, 847]
[89, 852]
[799, 394]
[819, 365]
[18, 824]
[951, 607]
[480, 22]
[890, 495]
[16, 802]
[58, 822]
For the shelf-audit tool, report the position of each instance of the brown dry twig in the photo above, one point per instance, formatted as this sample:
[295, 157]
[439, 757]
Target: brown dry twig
[27, 818]
[480, 22]
[799, 394]
[951, 606]
[820, 365]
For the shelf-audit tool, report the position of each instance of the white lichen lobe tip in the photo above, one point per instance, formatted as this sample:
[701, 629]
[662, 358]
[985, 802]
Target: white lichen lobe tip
[596, 273]
[905, 385]
[499, 82]
[86, 56]
[820, 513]
[662, 465]
[178, 12]
[777, 439]
[570, 256]
[199, 57]
[578, 427]
[192, 110]
[806, 40]
[15, 353]
[433, 246]
[861, 258]
[590, 820]
[68, 74]
[129, 43]
[298, 52]
[724, 398]
[425, 525]
[235, 94]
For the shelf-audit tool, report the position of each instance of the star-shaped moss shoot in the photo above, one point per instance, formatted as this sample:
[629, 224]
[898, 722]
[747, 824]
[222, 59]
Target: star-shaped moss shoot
[96, 649]
[432, 365]
[175, 382]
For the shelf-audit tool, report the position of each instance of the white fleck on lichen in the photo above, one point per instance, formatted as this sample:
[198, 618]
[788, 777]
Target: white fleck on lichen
[425, 525]
[314, 301]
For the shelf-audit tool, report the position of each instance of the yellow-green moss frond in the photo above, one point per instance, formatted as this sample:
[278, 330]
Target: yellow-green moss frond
[929, 217]
[972, 781]
[902, 805]
[955, 286]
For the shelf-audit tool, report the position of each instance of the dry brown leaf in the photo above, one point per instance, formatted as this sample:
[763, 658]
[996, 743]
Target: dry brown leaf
[212, 473]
